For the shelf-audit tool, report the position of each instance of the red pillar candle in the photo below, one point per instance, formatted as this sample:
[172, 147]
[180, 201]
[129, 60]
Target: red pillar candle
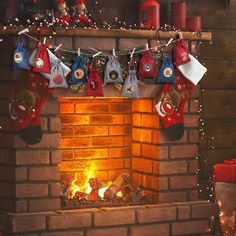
[149, 14]
[194, 23]
[178, 14]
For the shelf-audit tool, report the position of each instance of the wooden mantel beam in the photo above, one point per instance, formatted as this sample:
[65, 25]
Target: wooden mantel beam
[118, 33]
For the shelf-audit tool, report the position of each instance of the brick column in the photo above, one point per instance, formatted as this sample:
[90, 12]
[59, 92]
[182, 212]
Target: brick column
[166, 169]
[29, 176]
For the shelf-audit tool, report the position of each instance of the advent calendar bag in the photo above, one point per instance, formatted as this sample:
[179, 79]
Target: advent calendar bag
[42, 61]
[130, 88]
[147, 68]
[94, 84]
[57, 79]
[53, 58]
[181, 55]
[166, 73]
[78, 73]
[113, 71]
[21, 57]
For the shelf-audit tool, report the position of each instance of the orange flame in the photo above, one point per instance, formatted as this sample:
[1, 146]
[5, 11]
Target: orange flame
[89, 172]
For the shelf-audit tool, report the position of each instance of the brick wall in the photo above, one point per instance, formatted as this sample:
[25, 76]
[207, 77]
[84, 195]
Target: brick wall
[168, 170]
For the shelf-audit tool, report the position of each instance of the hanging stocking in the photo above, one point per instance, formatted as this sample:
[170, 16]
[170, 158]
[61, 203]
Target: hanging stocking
[80, 12]
[27, 99]
[62, 11]
[171, 105]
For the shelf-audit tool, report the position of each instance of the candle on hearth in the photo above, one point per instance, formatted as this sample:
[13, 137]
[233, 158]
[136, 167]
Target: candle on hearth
[178, 14]
[194, 23]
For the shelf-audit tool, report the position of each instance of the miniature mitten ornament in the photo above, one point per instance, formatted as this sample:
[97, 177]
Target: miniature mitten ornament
[21, 56]
[27, 99]
[42, 61]
[166, 73]
[94, 84]
[193, 70]
[113, 71]
[79, 72]
[147, 67]
[171, 105]
[131, 88]
[62, 10]
[181, 55]
[81, 12]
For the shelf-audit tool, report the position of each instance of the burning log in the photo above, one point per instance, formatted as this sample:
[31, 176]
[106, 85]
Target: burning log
[95, 183]
[94, 195]
[81, 195]
[131, 192]
[116, 186]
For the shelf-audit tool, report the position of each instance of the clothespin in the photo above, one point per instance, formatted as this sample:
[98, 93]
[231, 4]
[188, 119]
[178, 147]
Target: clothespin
[23, 31]
[97, 54]
[78, 52]
[169, 42]
[44, 40]
[146, 46]
[114, 52]
[132, 53]
[180, 35]
[57, 48]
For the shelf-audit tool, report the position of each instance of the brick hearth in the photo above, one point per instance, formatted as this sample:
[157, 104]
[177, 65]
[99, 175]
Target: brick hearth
[189, 218]
[30, 175]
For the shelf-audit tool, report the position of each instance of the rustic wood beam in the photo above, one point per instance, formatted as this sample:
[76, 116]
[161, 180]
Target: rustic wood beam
[118, 33]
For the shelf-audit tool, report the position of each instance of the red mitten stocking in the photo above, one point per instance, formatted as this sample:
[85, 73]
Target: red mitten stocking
[27, 99]
[171, 105]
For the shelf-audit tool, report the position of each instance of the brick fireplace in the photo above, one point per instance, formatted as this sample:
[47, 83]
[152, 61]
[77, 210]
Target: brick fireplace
[115, 134]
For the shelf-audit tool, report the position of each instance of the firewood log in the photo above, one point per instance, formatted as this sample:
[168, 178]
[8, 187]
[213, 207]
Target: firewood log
[112, 190]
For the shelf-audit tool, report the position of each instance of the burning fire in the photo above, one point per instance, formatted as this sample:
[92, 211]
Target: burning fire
[90, 173]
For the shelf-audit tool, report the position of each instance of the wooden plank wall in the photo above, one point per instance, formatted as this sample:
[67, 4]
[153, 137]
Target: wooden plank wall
[219, 96]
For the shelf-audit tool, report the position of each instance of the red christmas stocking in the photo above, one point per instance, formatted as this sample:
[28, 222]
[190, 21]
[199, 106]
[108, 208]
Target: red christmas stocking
[27, 99]
[171, 105]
